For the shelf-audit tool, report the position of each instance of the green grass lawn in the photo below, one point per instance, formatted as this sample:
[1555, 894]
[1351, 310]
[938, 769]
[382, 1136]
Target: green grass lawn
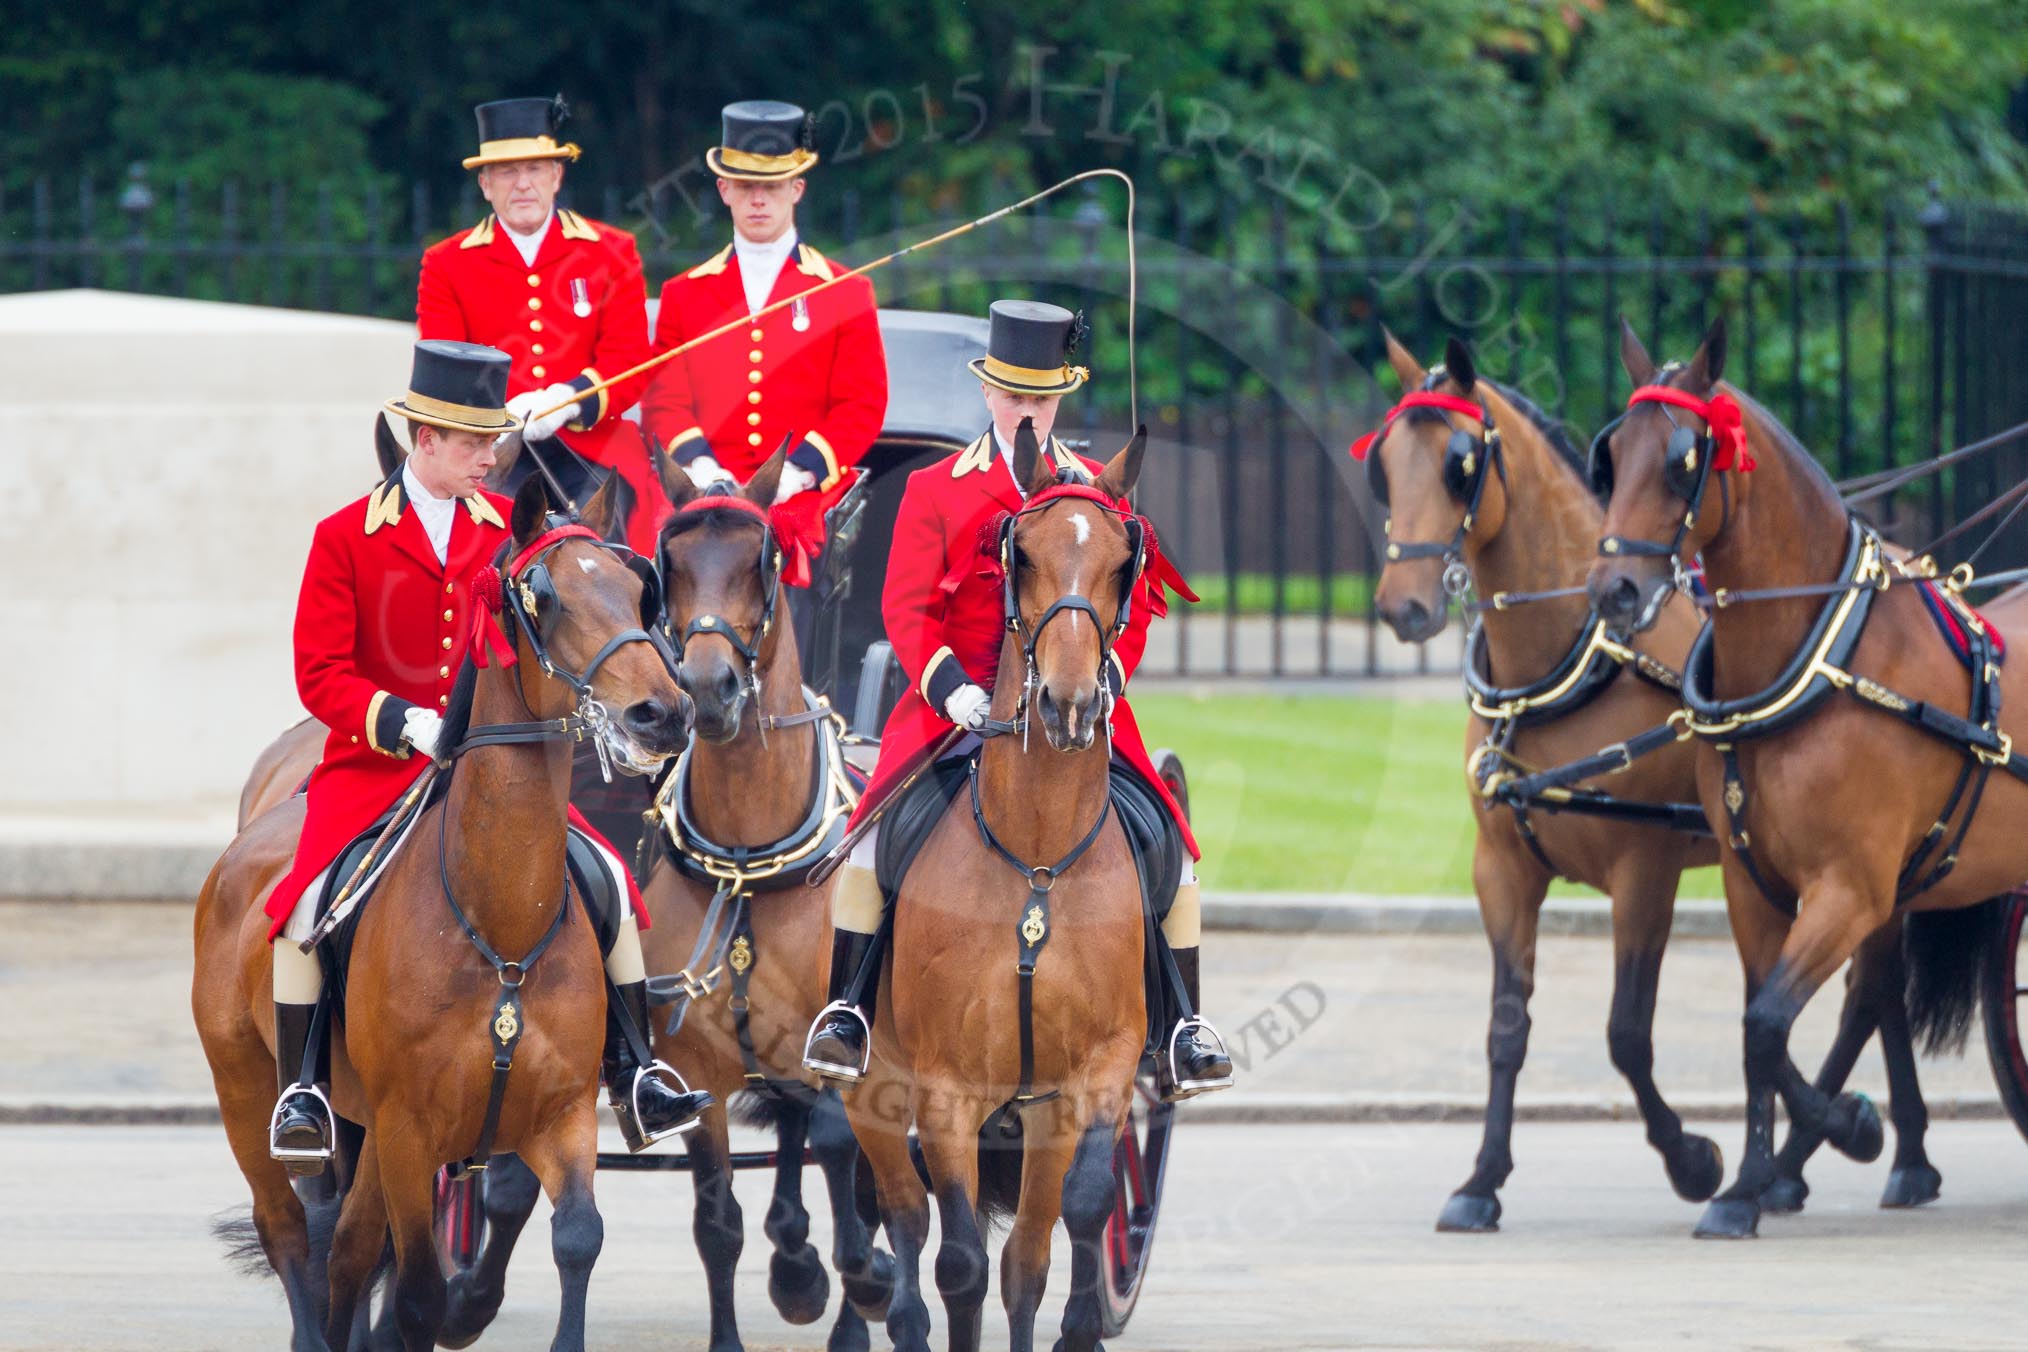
[1302, 593]
[1307, 793]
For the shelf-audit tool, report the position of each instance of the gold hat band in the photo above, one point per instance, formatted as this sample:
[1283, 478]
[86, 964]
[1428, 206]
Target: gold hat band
[751, 163]
[522, 148]
[423, 406]
[1034, 375]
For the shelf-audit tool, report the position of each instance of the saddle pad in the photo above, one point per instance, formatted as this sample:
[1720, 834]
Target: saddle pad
[1945, 616]
[1152, 837]
[604, 902]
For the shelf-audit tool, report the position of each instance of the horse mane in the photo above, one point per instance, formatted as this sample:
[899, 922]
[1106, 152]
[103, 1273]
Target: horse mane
[458, 713]
[1778, 431]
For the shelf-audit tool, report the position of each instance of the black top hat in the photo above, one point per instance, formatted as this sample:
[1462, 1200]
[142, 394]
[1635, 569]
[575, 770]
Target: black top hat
[521, 129]
[1029, 348]
[460, 386]
[764, 141]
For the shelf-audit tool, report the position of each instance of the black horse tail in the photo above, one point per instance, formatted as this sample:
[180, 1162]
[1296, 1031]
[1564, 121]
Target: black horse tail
[1000, 1151]
[1946, 953]
[244, 1253]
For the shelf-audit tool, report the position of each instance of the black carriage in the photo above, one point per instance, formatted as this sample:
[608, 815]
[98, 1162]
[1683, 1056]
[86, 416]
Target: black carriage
[933, 410]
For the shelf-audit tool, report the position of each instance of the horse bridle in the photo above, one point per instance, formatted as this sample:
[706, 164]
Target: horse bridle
[1686, 469]
[769, 562]
[1469, 462]
[529, 603]
[1069, 603]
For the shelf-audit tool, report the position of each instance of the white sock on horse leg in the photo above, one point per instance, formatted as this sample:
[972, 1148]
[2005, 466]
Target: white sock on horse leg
[625, 964]
[856, 902]
[299, 976]
[1185, 922]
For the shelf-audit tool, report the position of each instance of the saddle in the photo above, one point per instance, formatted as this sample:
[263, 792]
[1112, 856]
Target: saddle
[592, 883]
[1152, 839]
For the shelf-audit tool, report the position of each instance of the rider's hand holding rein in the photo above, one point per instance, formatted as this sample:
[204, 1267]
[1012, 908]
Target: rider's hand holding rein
[420, 728]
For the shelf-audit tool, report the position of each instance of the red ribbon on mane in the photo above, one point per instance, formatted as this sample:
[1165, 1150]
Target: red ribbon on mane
[798, 533]
[485, 639]
[1157, 571]
[1450, 403]
[1721, 411]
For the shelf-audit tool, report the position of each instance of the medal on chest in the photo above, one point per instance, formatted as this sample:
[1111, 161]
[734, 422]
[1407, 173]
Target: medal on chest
[800, 315]
[580, 298]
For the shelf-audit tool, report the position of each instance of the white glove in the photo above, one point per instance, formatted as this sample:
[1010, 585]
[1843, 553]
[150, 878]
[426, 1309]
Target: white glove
[531, 402]
[704, 472]
[795, 479]
[968, 706]
[420, 729]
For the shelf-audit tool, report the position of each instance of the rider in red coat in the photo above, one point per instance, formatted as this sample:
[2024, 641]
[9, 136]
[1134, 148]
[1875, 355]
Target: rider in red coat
[946, 622]
[814, 373]
[560, 293]
[380, 623]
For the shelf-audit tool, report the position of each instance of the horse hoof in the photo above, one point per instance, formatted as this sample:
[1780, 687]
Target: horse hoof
[1696, 1168]
[1730, 1218]
[1912, 1186]
[799, 1286]
[1784, 1196]
[871, 1292]
[466, 1313]
[1860, 1137]
[1469, 1214]
[850, 1333]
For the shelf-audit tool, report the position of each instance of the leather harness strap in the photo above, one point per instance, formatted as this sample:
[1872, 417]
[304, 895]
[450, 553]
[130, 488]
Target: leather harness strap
[1033, 931]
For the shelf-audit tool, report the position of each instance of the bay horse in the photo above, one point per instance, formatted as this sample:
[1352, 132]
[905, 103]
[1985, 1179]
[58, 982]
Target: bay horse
[1818, 666]
[446, 948]
[759, 778]
[1031, 854]
[1493, 483]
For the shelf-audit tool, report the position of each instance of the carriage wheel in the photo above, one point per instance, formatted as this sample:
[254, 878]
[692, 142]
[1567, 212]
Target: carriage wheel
[460, 1220]
[1169, 766]
[2005, 994]
[1140, 1161]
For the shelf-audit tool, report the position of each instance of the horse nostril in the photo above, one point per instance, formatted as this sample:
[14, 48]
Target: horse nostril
[1619, 600]
[652, 717]
[725, 686]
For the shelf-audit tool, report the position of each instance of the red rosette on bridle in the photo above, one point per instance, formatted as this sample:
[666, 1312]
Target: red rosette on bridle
[485, 638]
[1729, 448]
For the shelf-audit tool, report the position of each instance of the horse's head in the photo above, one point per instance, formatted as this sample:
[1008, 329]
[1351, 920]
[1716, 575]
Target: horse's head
[575, 596]
[1658, 461]
[722, 571]
[1073, 561]
[1428, 467]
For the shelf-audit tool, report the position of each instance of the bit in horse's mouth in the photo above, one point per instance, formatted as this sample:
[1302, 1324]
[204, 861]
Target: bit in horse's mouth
[629, 756]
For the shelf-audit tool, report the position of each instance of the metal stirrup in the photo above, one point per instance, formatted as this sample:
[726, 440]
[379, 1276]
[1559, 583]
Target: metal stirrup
[287, 1153]
[831, 1068]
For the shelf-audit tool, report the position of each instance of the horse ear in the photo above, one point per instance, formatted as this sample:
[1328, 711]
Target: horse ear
[1640, 366]
[760, 489]
[1708, 365]
[1406, 368]
[1030, 470]
[676, 484]
[1118, 478]
[385, 448]
[531, 509]
[598, 513]
[1458, 364]
[506, 455]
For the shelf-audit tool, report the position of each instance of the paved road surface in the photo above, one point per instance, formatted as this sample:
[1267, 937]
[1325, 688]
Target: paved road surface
[1293, 1237]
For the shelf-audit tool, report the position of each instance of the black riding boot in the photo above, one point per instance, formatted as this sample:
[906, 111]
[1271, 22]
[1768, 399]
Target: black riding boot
[1193, 1059]
[651, 1101]
[839, 1039]
[299, 1134]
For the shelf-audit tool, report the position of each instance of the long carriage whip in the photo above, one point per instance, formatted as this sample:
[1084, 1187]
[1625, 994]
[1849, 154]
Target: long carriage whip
[1133, 280]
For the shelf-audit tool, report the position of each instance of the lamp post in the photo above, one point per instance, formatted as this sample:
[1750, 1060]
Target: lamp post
[137, 199]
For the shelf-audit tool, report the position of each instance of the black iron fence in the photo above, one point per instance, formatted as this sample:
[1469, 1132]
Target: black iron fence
[1879, 342]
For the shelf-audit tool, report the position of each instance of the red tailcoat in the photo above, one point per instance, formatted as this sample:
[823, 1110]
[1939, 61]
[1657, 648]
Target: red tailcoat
[815, 374]
[576, 315]
[380, 629]
[945, 639]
